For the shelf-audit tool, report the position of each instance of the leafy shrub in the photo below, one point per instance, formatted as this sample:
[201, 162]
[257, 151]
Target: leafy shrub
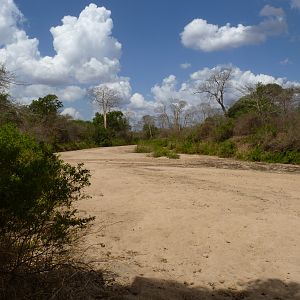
[223, 130]
[143, 149]
[207, 148]
[38, 223]
[227, 149]
[159, 152]
[158, 148]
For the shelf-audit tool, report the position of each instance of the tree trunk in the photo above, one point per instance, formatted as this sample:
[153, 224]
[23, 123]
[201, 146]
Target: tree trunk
[104, 120]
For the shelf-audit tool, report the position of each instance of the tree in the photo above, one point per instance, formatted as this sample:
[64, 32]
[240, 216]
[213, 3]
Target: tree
[118, 127]
[177, 107]
[106, 98]
[44, 119]
[48, 105]
[162, 116]
[149, 126]
[6, 78]
[216, 85]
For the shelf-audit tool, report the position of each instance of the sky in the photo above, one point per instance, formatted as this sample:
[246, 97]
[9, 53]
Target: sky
[150, 51]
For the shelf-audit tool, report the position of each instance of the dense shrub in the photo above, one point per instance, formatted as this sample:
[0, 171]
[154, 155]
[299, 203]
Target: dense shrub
[38, 222]
[227, 149]
[157, 148]
[246, 124]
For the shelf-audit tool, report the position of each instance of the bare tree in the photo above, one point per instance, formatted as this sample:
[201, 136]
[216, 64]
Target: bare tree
[190, 117]
[6, 78]
[105, 98]
[149, 125]
[216, 85]
[162, 116]
[177, 107]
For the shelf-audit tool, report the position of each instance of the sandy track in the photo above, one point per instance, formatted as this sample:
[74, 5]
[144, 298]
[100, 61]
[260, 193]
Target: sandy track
[174, 227]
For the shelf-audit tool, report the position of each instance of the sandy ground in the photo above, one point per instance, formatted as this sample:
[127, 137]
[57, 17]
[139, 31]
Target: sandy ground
[195, 228]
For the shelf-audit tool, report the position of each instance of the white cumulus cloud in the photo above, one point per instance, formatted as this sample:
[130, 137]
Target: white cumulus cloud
[86, 54]
[72, 112]
[170, 88]
[200, 35]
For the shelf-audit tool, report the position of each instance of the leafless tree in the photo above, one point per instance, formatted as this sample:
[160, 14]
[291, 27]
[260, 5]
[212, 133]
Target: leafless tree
[216, 85]
[105, 98]
[162, 116]
[6, 78]
[190, 117]
[149, 124]
[176, 107]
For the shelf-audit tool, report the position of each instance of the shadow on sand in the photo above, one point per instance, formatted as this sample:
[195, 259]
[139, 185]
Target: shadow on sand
[152, 289]
[82, 283]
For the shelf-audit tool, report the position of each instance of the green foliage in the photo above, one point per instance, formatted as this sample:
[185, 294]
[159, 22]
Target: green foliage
[117, 131]
[227, 149]
[158, 148]
[223, 130]
[241, 107]
[38, 222]
[8, 111]
[207, 148]
[46, 106]
[103, 136]
[160, 152]
[258, 154]
[140, 148]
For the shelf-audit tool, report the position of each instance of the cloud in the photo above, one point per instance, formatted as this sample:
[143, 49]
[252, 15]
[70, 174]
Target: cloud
[86, 53]
[185, 66]
[10, 16]
[200, 35]
[295, 4]
[170, 88]
[26, 94]
[71, 111]
[285, 62]
[239, 80]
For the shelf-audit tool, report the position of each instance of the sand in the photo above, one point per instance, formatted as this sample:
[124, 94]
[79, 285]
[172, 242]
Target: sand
[195, 228]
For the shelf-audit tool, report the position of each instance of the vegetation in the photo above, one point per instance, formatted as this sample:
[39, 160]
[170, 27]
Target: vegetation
[42, 120]
[263, 125]
[38, 221]
[157, 148]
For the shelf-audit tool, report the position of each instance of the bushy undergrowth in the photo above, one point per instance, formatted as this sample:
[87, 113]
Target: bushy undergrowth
[38, 221]
[157, 148]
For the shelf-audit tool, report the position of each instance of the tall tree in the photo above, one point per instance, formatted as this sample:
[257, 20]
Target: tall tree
[177, 106]
[162, 115]
[48, 105]
[149, 126]
[216, 85]
[106, 99]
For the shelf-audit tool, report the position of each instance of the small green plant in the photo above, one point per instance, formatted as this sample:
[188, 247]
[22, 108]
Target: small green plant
[143, 149]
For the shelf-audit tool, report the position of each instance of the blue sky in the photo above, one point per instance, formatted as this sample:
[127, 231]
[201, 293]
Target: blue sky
[153, 49]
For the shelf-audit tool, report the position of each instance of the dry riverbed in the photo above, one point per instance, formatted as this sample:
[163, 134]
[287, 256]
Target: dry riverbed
[195, 228]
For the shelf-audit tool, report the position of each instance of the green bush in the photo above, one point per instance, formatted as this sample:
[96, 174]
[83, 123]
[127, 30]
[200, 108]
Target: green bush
[158, 148]
[38, 223]
[227, 149]
[223, 130]
[207, 148]
[143, 149]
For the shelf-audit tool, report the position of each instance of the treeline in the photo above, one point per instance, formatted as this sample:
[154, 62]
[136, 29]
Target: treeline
[42, 119]
[263, 125]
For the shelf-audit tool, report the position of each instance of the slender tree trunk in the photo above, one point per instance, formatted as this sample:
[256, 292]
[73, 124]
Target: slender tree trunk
[104, 120]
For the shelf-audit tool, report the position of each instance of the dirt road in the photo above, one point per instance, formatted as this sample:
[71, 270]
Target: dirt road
[195, 228]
